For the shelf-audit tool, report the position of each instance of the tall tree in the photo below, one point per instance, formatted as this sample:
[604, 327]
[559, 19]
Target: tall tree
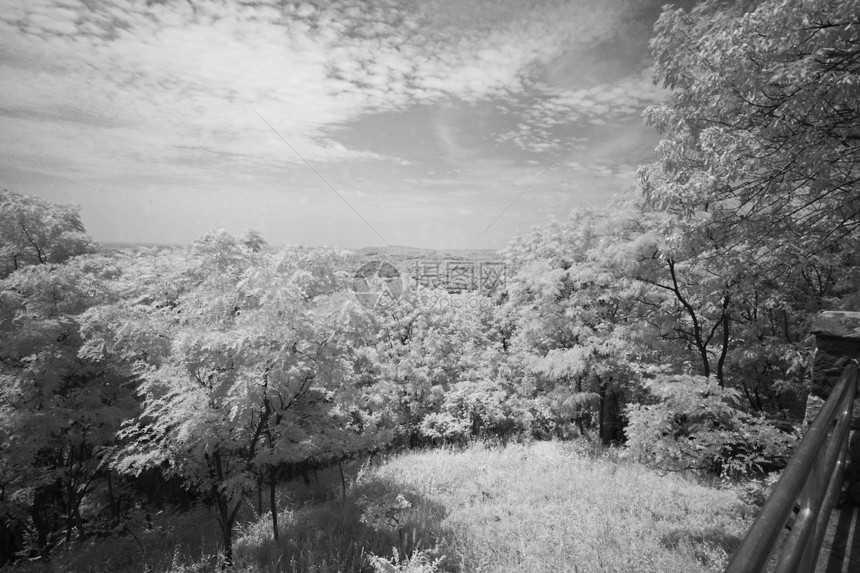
[758, 180]
[34, 231]
[761, 147]
[241, 371]
[59, 412]
[575, 317]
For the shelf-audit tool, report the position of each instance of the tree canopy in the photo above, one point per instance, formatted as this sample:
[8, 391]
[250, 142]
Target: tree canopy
[34, 231]
[761, 137]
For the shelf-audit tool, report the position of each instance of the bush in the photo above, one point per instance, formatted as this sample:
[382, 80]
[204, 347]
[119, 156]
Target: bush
[695, 425]
[483, 409]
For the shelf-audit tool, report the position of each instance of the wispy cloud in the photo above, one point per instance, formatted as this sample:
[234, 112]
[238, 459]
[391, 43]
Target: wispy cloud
[553, 119]
[96, 91]
[193, 73]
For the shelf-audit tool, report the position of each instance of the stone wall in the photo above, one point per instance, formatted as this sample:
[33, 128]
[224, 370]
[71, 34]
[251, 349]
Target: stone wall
[837, 338]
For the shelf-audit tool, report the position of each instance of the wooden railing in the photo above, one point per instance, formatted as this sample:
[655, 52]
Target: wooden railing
[812, 481]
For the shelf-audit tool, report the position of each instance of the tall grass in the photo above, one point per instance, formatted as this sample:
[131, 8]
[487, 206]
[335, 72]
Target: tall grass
[552, 507]
[546, 506]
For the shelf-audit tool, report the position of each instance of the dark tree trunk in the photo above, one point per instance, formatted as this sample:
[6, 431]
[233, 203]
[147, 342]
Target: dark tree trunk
[725, 319]
[226, 514]
[697, 334]
[611, 417]
[10, 540]
[580, 425]
[42, 516]
[114, 510]
[260, 494]
[225, 521]
[73, 516]
[273, 501]
[602, 415]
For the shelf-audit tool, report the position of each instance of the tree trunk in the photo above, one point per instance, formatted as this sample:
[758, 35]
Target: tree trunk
[613, 423]
[70, 524]
[722, 360]
[10, 539]
[698, 341]
[602, 415]
[226, 524]
[73, 516]
[580, 425]
[260, 494]
[40, 514]
[79, 523]
[273, 502]
[114, 510]
[226, 515]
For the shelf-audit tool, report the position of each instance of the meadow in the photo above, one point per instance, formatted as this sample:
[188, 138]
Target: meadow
[543, 506]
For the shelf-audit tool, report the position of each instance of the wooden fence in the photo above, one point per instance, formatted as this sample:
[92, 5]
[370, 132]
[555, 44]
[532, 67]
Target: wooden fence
[811, 485]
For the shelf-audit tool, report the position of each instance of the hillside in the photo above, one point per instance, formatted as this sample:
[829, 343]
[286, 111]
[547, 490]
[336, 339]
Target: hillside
[547, 506]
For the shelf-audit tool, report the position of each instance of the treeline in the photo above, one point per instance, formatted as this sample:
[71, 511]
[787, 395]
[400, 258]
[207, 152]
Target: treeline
[213, 371]
[674, 321]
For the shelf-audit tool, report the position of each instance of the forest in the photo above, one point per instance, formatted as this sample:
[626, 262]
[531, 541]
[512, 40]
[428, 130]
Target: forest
[672, 323]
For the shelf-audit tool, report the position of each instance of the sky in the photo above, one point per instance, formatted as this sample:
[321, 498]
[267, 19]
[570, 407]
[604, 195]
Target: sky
[440, 124]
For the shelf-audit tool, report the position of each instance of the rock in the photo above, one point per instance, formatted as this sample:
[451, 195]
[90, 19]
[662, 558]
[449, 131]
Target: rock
[837, 341]
[838, 323]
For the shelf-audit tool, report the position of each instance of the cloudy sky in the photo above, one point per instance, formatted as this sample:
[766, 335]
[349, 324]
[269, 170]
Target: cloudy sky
[430, 123]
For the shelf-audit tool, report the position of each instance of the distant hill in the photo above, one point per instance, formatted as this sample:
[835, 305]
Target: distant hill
[122, 246]
[455, 270]
[397, 252]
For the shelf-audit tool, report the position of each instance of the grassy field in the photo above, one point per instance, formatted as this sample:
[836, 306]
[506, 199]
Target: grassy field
[547, 506]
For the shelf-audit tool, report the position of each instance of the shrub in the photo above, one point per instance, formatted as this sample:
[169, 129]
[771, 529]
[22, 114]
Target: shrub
[484, 409]
[695, 425]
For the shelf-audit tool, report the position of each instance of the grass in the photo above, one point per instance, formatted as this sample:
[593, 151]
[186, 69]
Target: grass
[549, 506]
[546, 506]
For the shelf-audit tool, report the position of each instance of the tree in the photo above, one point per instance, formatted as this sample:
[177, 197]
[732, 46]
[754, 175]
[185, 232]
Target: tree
[758, 181]
[688, 300]
[574, 316]
[708, 310]
[58, 412]
[34, 231]
[254, 240]
[243, 370]
[411, 357]
[434, 372]
[761, 147]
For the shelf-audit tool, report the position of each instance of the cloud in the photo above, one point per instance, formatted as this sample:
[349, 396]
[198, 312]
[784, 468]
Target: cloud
[170, 82]
[176, 77]
[411, 109]
[549, 121]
